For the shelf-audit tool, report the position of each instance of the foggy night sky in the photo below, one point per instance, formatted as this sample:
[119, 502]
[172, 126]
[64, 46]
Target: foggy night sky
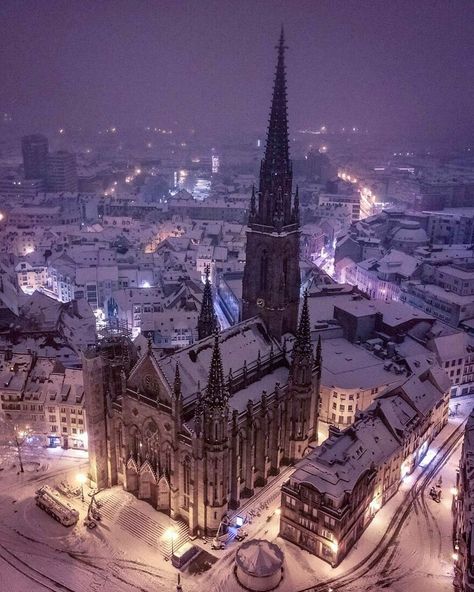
[396, 66]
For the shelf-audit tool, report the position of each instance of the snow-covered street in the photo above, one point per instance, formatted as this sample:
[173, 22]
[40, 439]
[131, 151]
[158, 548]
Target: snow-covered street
[407, 546]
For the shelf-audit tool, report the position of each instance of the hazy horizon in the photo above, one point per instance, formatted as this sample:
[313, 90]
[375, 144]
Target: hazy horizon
[399, 68]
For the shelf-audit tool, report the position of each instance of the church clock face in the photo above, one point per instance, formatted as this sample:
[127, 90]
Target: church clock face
[260, 302]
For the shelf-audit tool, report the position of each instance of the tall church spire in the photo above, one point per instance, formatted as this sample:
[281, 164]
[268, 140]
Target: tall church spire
[303, 335]
[207, 322]
[302, 359]
[277, 157]
[274, 194]
[216, 392]
[271, 284]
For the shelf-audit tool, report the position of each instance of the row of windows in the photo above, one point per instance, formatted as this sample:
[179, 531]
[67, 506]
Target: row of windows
[453, 362]
[342, 419]
[64, 420]
[54, 430]
[342, 408]
[64, 409]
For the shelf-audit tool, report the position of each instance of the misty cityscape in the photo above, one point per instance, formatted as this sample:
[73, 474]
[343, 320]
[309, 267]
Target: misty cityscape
[236, 296]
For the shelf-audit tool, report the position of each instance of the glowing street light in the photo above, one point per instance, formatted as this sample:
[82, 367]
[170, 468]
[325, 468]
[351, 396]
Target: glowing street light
[278, 511]
[171, 535]
[81, 478]
[19, 439]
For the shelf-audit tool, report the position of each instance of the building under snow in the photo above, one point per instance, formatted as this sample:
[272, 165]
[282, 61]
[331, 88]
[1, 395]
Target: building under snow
[464, 514]
[334, 492]
[41, 397]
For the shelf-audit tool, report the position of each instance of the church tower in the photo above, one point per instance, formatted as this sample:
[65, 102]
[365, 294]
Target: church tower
[271, 283]
[212, 428]
[305, 372]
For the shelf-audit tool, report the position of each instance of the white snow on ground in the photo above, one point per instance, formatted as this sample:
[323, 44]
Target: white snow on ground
[128, 551]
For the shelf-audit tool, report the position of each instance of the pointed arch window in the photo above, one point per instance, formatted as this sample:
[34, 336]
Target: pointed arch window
[168, 462]
[186, 482]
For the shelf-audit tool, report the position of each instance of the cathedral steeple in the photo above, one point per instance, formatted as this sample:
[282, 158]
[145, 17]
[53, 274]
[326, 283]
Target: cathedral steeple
[303, 336]
[215, 408]
[302, 359]
[274, 193]
[216, 392]
[271, 285]
[277, 157]
[207, 322]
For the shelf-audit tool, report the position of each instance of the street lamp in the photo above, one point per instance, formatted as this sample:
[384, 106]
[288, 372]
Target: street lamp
[20, 437]
[81, 479]
[171, 535]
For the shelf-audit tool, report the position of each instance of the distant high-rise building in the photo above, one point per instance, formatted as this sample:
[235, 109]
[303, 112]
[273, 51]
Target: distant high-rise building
[62, 171]
[35, 156]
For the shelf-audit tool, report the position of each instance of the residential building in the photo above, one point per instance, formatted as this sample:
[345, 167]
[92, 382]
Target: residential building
[41, 397]
[463, 509]
[335, 491]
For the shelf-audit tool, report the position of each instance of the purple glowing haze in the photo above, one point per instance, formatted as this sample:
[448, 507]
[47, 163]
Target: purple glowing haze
[402, 66]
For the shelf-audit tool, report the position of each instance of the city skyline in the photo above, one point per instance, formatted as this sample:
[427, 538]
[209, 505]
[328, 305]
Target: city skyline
[396, 69]
[238, 355]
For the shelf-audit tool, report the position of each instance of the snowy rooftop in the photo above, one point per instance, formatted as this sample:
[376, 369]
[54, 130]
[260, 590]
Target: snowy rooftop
[336, 466]
[441, 294]
[346, 365]
[394, 313]
[238, 344]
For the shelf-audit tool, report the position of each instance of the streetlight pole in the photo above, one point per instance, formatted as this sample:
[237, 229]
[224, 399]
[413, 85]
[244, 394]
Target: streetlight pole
[172, 535]
[81, 478]
[18, 447]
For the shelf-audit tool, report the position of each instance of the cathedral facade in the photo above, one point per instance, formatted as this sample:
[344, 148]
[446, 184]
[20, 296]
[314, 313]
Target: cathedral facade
[195, 432]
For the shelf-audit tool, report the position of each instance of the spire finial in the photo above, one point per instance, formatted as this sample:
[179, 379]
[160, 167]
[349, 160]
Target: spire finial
[281, 45]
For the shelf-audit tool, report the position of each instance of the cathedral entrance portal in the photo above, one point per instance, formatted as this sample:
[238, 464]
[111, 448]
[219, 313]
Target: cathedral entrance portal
[163, 497]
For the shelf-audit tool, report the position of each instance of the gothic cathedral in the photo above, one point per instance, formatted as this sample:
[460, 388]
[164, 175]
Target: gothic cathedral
[195, 432]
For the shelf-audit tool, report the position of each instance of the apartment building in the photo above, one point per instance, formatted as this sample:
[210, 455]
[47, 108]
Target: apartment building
[43, 398]
[335, 491]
